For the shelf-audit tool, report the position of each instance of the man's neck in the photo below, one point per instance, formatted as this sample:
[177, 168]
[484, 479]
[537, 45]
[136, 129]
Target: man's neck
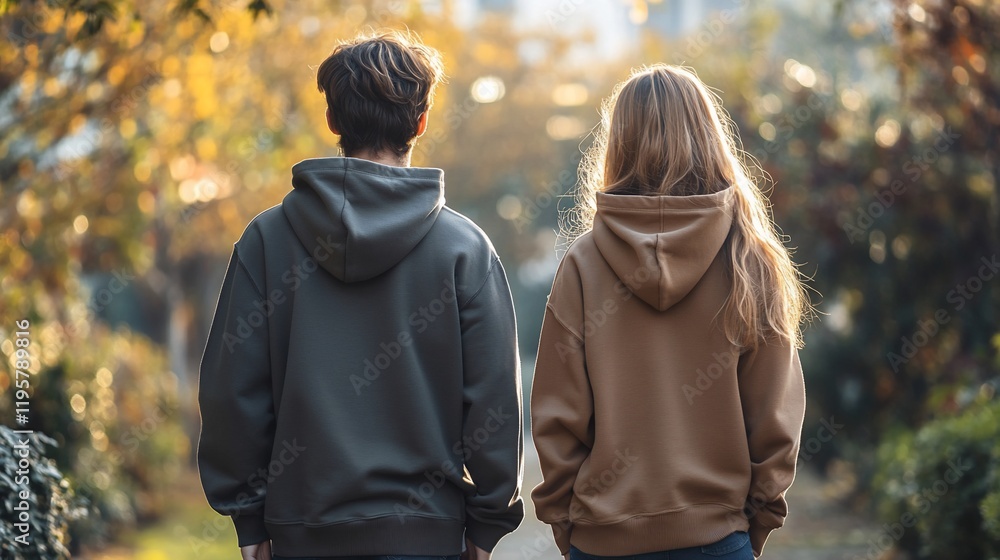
[384, 158]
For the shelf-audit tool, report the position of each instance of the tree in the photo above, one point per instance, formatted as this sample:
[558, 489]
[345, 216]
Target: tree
[82, 250]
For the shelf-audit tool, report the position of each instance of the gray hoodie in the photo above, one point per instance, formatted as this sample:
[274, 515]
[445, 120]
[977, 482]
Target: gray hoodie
[360, 389]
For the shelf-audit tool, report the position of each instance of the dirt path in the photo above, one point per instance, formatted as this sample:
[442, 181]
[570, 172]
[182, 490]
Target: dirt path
[817, 529]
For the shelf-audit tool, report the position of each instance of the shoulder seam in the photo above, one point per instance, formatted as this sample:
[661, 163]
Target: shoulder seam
[562, 323]
[489, 273]
[246, 271]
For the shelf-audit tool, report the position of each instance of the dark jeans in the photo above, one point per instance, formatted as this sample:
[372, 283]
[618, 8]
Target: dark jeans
[455, 557]
[734, 547]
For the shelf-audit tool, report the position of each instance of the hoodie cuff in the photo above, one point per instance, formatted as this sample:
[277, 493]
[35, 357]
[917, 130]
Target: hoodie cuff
[484, 535]
[250, 529]
[758, 536]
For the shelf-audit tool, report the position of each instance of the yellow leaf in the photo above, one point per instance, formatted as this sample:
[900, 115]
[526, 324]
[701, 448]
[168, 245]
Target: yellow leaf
[206, 148]
[116, 74]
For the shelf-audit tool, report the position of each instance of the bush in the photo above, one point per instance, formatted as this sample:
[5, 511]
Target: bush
[109, 400]
[938, 490]
[114, 411]
[47, 510]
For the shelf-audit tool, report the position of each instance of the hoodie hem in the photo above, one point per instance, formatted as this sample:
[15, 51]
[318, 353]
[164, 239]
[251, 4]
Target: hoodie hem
[694, 526]
[414, 536]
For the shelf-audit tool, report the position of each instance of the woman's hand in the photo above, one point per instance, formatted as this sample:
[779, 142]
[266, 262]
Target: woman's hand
[259, 551]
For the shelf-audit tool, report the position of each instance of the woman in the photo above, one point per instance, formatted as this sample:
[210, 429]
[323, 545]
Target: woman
[668, 397]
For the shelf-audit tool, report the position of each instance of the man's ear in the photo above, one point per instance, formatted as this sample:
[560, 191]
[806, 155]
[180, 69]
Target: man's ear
[422, 124]
[329, 122]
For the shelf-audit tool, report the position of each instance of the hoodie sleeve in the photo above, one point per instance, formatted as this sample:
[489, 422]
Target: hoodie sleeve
[562, 411]
[237, 407]
[492, 414]
[772, 393]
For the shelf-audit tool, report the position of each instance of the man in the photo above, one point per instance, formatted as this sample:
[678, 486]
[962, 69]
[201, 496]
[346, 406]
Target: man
[360, 390]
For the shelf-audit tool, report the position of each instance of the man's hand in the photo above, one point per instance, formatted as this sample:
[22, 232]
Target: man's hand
[259, 551]
[473, 552]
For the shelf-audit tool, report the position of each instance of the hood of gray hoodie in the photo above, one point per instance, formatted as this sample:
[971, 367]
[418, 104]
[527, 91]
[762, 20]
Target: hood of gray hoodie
[661, 246]
[359, 218]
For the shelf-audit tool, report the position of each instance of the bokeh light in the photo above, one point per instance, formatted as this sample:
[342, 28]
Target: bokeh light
[487, 89]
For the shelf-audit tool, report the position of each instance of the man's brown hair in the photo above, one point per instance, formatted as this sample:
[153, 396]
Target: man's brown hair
[377, 86]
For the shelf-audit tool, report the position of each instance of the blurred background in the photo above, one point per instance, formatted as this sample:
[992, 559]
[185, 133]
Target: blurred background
[139, 137]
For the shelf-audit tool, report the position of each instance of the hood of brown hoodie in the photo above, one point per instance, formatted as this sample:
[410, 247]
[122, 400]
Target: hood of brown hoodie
[661, 246]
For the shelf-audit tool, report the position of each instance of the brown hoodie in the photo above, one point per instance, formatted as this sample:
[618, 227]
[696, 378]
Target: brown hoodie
[654, 432]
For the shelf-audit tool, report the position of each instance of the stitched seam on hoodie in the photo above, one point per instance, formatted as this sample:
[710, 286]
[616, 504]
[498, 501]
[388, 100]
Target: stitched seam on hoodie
[343, 182]
[562, 323]
[485, 280]
[357, 520]
[587, 521]
[656, 251]
[411, 177]
[246, 271]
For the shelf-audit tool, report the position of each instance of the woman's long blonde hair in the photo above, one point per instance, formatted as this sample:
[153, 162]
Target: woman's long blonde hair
[662, 132]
